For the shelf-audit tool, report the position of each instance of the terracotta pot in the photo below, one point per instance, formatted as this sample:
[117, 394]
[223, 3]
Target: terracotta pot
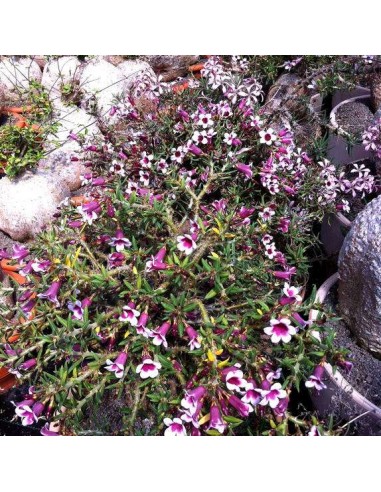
[336, 382]
[7, 380]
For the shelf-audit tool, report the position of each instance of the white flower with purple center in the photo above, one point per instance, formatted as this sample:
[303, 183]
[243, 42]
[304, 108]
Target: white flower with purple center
[291, 294]
[267, 238]
[148, 369]
[266, 214]
[117, 167]
[186, 244]
[270, 250]
[132, 187]
[234, 380]
[229, 138]
[273, 395]
[280, 330]
[200, 137]
[146, 159]
[267, 136]
[130, 314]
[119, 241]
[144, 177]
[205, 120]
[253, 394]
[178, 154]
[162, 166]
[117, 366]
[175, 427]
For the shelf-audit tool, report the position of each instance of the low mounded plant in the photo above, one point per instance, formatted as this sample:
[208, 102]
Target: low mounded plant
[176, 285]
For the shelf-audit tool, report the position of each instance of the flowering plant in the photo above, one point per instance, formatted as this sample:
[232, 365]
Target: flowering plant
[178, 286]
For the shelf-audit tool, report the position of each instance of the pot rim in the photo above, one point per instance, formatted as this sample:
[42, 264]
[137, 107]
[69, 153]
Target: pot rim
[332, 115]
[335, 376]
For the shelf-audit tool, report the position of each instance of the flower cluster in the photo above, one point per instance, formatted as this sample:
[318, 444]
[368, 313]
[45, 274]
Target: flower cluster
[182, 270]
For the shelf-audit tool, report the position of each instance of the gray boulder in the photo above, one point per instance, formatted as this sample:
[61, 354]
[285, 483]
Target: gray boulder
[171, 66]
[360, 278]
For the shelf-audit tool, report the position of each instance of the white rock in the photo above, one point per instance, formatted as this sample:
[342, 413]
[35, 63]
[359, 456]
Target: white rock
[17, 75]
[28, 203]
[63, 70]
[132, 70]
[102, 82]
[72, 120]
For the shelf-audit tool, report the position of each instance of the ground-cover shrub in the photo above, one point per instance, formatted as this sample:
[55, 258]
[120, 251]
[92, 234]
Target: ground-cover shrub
[21, 145]
[176, 285]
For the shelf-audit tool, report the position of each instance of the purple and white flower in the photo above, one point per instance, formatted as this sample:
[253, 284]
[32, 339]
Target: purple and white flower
[78, 308]
[316, 379]
[130, 314]
[242, 408]
[291, 295]
[29, 412]
[216, 422]
[119, 241]
[280, 330]
[175, 427]
[253, 394]
[194, 338]
[89, 211]
[141, 327]
[117, 366]
[205, 120]
[148, 369]
[51, 293]
[273, 395]
[160, 334]
[156, 262]
[40, 265]
[186, 244]
[233, 378]
[19, 252]
[193, 398]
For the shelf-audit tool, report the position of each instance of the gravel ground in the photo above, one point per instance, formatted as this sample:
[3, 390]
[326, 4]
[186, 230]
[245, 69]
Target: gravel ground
[354, 117]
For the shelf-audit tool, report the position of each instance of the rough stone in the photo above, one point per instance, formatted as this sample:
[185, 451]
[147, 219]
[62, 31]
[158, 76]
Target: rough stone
[171, 66]
[360, 278]
[28, 203]
[60, 148]
[16, 75]
[285, 94]
[63, 70]
[103, 82]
